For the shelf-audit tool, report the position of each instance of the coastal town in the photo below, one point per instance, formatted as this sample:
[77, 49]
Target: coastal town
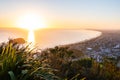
[106, 45]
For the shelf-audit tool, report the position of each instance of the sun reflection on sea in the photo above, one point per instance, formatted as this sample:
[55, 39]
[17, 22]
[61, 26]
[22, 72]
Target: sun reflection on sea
[31, 22]
[31, 38]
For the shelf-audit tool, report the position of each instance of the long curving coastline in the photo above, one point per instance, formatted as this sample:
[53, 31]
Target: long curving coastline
[107, 44]
[97, 35]
[52, 38]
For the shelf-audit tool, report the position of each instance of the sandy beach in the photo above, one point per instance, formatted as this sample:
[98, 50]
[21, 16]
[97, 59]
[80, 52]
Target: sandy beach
[108, 44]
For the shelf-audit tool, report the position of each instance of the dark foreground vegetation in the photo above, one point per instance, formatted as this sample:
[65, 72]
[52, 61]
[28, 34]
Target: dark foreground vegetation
[19, 62]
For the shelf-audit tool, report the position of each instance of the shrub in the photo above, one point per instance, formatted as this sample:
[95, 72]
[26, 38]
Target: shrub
[17, 63]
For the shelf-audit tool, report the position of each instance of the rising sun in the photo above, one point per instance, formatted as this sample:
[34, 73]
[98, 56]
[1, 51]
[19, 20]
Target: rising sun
[31, 22]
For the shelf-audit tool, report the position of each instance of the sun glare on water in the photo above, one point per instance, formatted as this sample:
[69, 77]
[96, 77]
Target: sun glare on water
[31, 37]
[31, 22]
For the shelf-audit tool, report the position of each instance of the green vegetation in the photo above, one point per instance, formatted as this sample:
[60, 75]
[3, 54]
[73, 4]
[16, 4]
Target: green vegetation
[19, 63]
[61, 59]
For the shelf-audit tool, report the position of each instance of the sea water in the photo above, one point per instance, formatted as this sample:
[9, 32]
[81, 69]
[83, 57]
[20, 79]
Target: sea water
[46, 38]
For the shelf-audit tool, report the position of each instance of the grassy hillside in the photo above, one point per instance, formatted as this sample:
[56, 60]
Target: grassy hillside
[19, 62]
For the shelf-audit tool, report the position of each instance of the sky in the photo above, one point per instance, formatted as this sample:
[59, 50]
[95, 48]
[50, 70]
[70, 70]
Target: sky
[71, 14]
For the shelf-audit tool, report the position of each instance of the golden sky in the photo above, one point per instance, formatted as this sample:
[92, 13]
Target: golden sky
[92, 14]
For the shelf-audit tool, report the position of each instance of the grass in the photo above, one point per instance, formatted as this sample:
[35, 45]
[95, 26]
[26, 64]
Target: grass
[18, 63]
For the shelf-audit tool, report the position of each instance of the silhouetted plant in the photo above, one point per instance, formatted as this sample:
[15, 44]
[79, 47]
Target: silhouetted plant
[17, 63]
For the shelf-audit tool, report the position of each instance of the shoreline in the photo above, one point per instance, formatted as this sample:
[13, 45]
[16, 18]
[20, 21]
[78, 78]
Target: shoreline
[107, 44]
[84, 41]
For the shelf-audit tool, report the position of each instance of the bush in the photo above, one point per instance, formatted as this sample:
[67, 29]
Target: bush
[61, 59]
[17, 63]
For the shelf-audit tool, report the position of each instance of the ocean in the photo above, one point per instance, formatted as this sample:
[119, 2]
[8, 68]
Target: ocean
[47, 38]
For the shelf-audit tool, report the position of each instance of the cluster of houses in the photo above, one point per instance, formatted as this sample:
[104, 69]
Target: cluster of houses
[112, 52]
[108, 44]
